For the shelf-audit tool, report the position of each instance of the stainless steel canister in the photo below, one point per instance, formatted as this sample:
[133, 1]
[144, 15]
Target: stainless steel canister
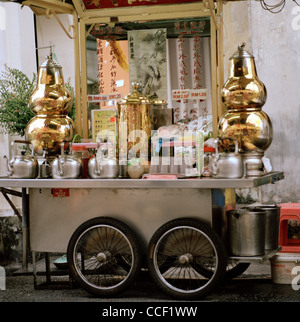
[246, 229]
[160, 114]
[272, 225]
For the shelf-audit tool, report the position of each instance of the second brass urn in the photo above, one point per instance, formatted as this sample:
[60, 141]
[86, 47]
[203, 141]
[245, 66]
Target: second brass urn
[243, 94]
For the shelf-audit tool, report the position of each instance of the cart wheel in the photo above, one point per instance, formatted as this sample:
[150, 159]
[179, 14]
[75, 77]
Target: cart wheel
[235, 269]
[104, 256]
[180, 254]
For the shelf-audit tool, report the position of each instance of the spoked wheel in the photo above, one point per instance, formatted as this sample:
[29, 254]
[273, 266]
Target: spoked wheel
[104, 256]
[235, 269]
[180, 254]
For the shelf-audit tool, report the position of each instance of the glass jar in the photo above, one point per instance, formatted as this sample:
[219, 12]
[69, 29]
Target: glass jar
[81, 151]
[208, 151]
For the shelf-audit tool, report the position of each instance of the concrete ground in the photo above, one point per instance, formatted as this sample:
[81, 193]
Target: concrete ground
[255, 285]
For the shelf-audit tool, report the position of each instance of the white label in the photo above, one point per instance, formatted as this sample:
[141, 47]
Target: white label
[192, 94]
[198, 94]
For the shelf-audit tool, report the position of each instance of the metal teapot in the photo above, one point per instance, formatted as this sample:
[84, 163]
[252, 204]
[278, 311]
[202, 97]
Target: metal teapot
[66, 166]
[103, 167]
[227, 165]
[22, 166]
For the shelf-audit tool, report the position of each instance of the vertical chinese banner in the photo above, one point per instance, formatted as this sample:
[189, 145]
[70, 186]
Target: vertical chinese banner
[147, 51]
[113, 71]
[100, 66]
[113, 77]
[200, 106]
[106, 63]
[183, 74]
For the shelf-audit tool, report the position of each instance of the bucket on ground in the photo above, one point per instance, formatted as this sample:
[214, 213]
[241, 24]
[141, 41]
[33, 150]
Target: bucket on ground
[285, 268]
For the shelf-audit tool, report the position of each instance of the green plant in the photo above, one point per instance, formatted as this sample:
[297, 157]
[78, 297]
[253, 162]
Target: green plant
[15, 90]
[72, 112]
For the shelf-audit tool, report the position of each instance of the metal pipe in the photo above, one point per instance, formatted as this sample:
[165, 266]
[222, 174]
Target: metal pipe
[25, 227]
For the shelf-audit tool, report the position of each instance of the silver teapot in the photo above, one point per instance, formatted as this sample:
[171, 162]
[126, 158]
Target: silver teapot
[66, 166]
[102, 167]
[23, 166]
[227, 165]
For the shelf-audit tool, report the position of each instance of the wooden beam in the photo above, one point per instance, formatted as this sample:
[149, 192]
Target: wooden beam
[172, 10]
[78, 109]
[83, 74]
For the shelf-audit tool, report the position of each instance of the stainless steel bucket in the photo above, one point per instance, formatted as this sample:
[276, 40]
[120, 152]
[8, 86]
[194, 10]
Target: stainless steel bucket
[246, 229]
[272, 226]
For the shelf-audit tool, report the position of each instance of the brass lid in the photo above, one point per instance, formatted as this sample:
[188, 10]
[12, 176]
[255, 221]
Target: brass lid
[135, 97]
[241, 53]
[49, 62]
[158, 103]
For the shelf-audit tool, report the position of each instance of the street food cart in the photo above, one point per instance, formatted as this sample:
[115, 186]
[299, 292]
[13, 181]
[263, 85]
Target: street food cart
[110, 229]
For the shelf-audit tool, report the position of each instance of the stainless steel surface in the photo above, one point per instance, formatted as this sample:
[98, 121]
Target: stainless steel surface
[246, 229]
[227, 165]
[254, 166]
[22, 165]
[272, 226]
[66, 166]
[160, 114]
[101, 166]
[201, 183]
[256, 259]
[106, 168]
[143, 210]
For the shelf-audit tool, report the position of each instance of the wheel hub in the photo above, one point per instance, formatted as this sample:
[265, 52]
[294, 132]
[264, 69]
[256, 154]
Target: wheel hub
[103, 256]
[185, 259]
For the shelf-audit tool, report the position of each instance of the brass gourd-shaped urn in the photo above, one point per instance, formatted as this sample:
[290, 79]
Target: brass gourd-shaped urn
[243, 95]
[51, 102]
[243, 89]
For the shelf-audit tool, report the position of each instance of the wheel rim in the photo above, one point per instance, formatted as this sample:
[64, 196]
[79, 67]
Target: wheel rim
[181, 257]
[103, 257]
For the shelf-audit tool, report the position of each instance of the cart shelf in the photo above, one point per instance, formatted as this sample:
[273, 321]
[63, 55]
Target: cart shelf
[205, 183]
[255, 259]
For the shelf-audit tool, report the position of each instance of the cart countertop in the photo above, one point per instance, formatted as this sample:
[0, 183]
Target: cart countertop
[184, 183]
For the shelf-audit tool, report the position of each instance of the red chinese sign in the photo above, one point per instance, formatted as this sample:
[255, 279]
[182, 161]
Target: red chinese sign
[101, 4]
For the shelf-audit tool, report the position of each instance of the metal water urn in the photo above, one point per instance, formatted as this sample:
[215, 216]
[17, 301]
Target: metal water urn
[134, 126]
[51, 102]
[243, 95]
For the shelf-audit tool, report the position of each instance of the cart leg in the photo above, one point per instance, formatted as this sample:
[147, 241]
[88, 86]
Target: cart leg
[34, 270]
[48, 273]
[25, 227]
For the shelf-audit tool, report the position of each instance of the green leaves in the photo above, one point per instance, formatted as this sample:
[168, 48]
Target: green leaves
[15, 90]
